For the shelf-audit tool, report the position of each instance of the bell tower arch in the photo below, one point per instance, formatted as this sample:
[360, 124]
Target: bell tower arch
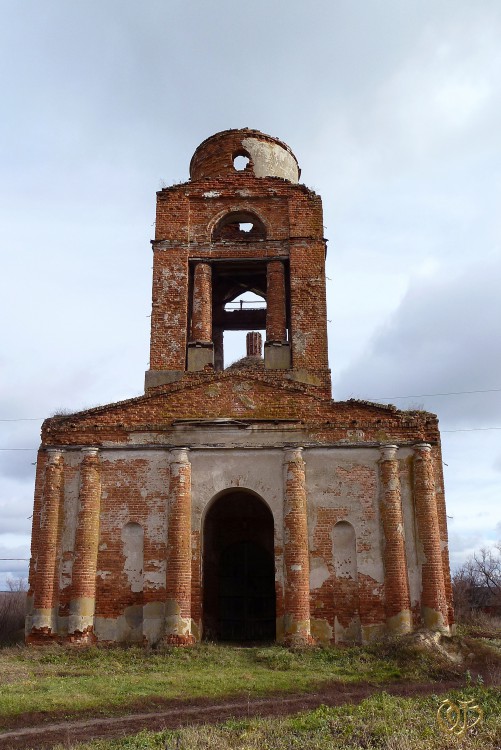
[242, 223]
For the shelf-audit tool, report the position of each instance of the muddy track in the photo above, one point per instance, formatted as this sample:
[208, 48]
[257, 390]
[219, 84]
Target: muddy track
[174, 714]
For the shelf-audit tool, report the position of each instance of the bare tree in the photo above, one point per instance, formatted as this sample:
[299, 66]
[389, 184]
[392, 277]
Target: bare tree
[12, 611]
[17, 584]
[476, 584]
[487, 567]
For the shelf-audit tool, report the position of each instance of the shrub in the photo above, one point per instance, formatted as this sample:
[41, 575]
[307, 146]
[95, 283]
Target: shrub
[12, 613]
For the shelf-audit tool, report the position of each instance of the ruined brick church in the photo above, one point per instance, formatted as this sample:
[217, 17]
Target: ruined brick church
[240, 503]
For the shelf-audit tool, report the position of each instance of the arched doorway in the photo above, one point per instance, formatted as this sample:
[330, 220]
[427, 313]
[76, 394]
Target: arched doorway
[239, 569]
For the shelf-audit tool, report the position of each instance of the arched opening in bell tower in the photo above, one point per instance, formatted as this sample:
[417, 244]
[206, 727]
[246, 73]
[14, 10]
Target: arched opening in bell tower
[239, 569]
[235, 344]
[239, 300]
[243, 266]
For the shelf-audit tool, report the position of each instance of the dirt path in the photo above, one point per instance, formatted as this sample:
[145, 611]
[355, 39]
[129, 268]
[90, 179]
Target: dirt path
[173, 714]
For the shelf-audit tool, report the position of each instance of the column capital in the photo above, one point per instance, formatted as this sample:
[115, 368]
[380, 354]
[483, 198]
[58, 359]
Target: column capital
[179, 455]
[293, 454]
[422, 450]
[55, 455]
[90, 451]
[388, 452]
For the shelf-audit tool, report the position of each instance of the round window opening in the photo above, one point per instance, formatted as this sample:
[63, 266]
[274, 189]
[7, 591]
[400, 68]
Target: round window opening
[240, 162]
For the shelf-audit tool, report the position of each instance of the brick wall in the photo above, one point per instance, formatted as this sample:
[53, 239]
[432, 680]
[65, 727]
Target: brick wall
[118, 525]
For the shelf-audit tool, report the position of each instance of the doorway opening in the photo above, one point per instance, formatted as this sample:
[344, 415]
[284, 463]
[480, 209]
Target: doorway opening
[239, 570]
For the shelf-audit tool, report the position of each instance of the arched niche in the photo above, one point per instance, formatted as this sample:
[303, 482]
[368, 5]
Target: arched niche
[344, 545]
[130, 629]
[133, 545]
[347, 628]
[239, 226]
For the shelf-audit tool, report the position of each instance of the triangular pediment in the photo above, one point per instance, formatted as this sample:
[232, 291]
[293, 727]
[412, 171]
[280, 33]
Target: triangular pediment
[227, 397]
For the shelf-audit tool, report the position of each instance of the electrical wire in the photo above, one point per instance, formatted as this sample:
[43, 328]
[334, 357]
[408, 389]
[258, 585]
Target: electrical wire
[430, 395]
[368, 398]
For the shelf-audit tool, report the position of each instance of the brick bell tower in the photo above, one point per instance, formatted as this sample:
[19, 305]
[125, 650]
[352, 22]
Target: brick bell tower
[242, 223]
[238, 503]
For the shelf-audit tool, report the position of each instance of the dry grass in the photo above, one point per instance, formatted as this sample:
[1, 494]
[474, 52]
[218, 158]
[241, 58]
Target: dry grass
[60, 679]
[382, 722]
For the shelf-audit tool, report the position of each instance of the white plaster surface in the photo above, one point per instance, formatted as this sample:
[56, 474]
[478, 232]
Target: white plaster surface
[410, 530]
[332, 484]
[132, 538]
[271, 160]
[319, 572]
[70, 515]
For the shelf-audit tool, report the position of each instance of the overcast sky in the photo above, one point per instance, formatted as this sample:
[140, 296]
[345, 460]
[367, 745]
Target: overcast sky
[393, 110]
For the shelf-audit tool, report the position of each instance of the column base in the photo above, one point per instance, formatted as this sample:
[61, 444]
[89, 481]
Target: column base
[299, 640]
[434, 620]
[298, 633]
[152, 378]
[277, 355]
[85, 637]
[401, 623]
[40, 637]
[200, 354]
[179, 640]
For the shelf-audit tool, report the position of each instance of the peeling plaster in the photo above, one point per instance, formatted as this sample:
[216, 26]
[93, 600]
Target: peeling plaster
[319, 573]
[271, 159]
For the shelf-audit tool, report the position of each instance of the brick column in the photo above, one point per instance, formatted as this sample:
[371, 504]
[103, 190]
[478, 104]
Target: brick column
[201, 321]
[296, 554]
[43, 623]
[433, 599]
[397, 599]
[275, 302]
[218, 348]
[83, 584]
[254, 344]
[178, 585]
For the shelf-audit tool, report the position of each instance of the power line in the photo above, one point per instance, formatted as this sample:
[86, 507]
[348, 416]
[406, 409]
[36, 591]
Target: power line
[429, 395]
[368, 398]
[472, 429]
[24, 419]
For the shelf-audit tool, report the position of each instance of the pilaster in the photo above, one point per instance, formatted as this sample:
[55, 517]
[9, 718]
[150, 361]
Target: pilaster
[433, 598]
[296, 553]
[178, 584]
[43, 618]
[397, 598]
[83, 586]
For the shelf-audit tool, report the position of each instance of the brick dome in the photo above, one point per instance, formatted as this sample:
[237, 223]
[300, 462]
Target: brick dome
[247, 151]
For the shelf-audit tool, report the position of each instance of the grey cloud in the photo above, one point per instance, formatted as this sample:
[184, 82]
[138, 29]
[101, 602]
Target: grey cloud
[18, 464]
[440, 339]
[16, 507]
[10, 567]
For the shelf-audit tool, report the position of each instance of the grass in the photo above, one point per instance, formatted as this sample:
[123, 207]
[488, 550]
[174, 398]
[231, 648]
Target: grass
[70, 681]
[382, 722]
